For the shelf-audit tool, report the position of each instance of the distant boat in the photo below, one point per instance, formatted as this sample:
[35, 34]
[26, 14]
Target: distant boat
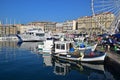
[34, 34]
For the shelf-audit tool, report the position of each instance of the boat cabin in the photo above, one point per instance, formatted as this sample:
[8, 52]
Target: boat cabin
[63, 46]
[35, 32]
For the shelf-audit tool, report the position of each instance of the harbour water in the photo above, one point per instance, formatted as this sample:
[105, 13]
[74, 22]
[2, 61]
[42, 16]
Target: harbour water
[25, 62]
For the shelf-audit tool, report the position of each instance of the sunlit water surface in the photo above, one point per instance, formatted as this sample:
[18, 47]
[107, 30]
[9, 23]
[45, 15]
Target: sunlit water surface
[25, 62]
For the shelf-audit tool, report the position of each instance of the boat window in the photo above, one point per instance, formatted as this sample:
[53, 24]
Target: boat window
[27, 33]
[39, 34]
[62, 46]
[31, 33]
[59, 69]
[58, 46]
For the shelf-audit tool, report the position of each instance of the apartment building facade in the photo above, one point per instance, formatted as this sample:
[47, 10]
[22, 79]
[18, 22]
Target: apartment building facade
[95, 24]
[87, 24]
[50, 27]
[6, 30]
[70, 26]
[59, 27]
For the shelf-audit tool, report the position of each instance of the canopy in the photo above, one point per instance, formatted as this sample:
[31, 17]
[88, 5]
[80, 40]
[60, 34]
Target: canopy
[117, 35]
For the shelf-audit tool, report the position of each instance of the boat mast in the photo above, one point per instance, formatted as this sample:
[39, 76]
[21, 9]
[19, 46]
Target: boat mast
[9, 26]
[6, 27]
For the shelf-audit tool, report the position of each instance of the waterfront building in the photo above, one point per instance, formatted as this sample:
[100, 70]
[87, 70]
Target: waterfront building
[50, 27]
[92, 24]
[70, 26]
[7, 30]
[39, 24]
[86, 24]
[22, 28]
[59, 27]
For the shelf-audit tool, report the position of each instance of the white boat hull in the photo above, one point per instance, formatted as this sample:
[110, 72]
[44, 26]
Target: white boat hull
[47, 50]
[82, 59]
[40, 46]
[31, 35]
[48, 44]
[30, 38]
[95, 59]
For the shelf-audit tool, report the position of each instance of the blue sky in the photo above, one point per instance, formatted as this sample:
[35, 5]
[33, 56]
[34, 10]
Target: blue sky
[25, 11]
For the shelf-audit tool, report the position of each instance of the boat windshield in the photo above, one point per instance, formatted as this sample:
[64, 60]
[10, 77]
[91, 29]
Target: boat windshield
[34, 29]
[60, 46]
[41, 35]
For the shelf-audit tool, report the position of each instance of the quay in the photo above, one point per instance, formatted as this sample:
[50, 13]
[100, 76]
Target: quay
[114, 56]
[112, 60]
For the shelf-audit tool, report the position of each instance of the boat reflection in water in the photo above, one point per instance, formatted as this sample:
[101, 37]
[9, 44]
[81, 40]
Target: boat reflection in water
[28, 46]
[24, 60]
[47, 59]
[63, 68]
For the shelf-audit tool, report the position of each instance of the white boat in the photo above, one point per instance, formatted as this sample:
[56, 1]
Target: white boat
[62, 50]
[48, 44]
[83, 46]
[34, 34]
[99, 57]
[40, 46]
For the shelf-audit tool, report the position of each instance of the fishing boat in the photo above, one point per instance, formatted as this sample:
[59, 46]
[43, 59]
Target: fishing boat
[65, 50]
[34, 34]
[62, 46]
